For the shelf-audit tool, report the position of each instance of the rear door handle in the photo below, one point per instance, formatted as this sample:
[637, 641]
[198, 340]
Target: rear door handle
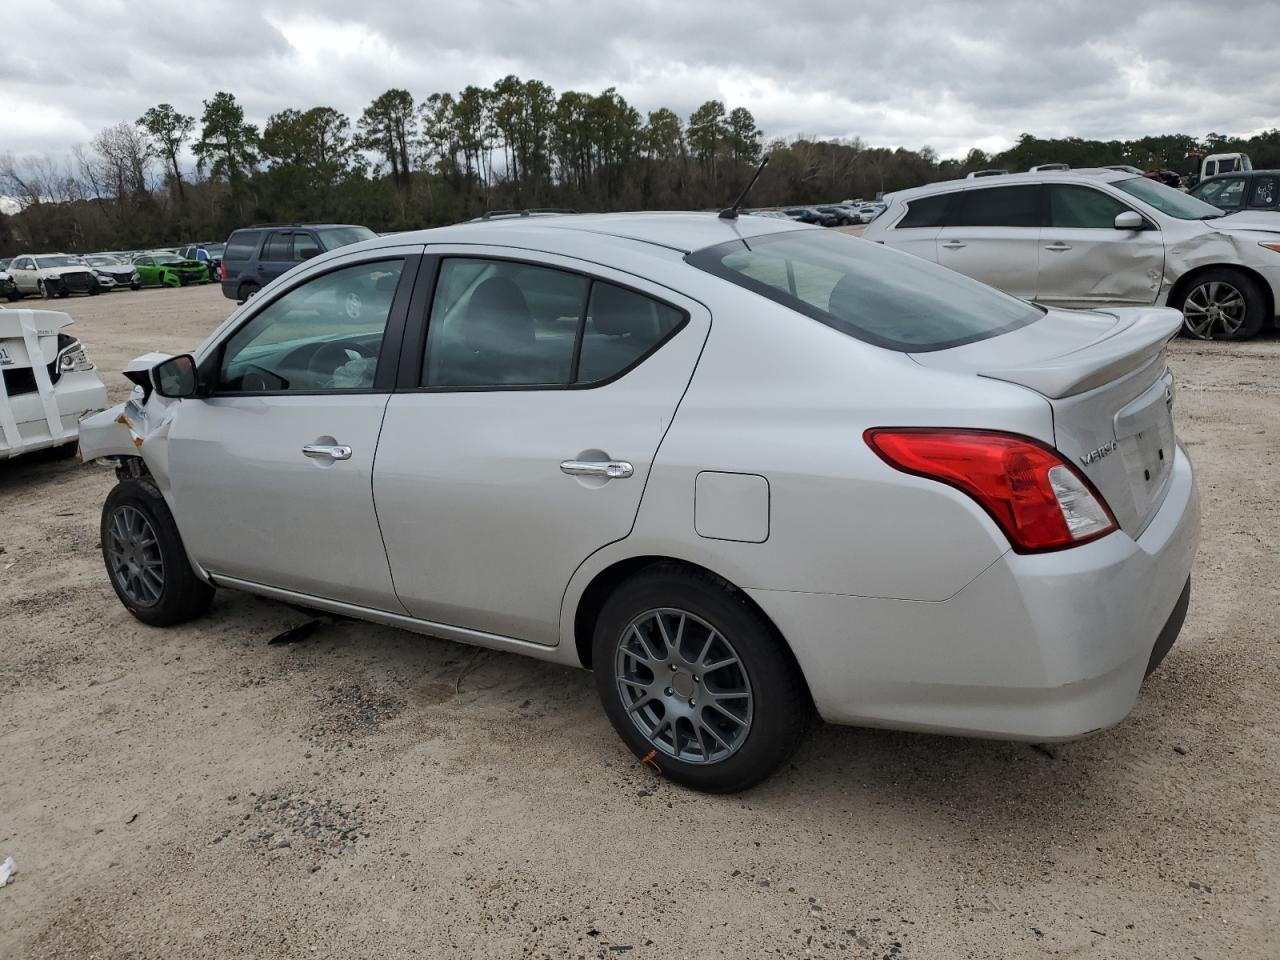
[325, 451]
[954, 245]
[1058, 247]
[609, 469]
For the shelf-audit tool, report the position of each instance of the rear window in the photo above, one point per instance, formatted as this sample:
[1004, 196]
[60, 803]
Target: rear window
[334, 237]
[243, 244]
[867, 291]
[925, 212]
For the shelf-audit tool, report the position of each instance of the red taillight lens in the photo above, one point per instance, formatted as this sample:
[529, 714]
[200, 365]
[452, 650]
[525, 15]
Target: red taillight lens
[222, 271]
[1039, 500]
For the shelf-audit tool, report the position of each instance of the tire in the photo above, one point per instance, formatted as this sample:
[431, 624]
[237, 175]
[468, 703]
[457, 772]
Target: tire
[1222, 304]
[94, 290]
[135, 286]
[44, 290]
[246, 290]
[134, 509]
[763, 690]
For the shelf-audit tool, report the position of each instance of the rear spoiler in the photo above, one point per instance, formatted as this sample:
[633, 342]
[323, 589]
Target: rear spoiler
[1140, 334]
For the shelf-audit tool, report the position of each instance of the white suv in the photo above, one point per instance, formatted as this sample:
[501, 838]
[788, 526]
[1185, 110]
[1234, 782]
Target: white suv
[1090, 238]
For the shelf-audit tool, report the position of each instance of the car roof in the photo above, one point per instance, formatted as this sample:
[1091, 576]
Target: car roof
[1089, 174]
[679, 232]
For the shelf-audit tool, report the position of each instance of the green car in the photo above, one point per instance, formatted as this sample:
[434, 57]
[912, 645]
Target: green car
[169, 270]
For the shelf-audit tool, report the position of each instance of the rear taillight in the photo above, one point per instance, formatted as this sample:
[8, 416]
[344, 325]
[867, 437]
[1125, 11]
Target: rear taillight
[222, 271]
[1039, 500]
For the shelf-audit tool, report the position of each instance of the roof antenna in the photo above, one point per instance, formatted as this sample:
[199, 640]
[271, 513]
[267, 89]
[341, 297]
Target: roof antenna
[731, 213]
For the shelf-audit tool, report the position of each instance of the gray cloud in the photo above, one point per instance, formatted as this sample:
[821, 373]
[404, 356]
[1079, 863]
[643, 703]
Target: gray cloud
[908, 73]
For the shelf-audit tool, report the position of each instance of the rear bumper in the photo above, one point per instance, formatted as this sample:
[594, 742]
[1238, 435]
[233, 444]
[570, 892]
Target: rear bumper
[1037, 647]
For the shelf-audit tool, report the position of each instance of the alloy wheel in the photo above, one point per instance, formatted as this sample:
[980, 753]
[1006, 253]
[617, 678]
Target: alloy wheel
[1214, 310]
[684, 686]
[134, 555]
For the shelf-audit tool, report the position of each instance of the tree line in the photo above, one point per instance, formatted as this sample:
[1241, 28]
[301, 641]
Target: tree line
[407, 163]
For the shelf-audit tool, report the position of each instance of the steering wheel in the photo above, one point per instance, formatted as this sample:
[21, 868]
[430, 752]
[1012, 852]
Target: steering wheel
[330, 356]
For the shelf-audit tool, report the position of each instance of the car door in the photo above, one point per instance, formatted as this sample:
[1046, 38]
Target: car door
[523, 437]
[277, 255]
[23, 271]
[271, 471]
[1086, 261]
[992, 235]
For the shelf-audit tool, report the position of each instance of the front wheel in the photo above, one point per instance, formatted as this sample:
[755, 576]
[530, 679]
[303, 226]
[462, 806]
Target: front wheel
[696, 681]
[145, 558]
[44, 290]
[1223, 304]
[135, 286]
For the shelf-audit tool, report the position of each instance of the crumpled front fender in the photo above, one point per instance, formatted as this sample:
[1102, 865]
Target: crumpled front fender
[139, 427]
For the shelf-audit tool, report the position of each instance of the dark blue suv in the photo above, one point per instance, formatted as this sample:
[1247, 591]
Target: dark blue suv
[257, 255]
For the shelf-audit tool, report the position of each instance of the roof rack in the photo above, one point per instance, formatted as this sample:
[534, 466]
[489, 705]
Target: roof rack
[1049, 166]
[527, 212]
[986, 173]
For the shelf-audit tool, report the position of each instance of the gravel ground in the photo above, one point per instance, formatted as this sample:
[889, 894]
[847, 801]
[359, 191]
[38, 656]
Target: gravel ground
[196, 792]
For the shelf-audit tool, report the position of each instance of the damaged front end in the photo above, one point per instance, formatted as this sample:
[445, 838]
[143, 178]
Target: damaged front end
[133, 429]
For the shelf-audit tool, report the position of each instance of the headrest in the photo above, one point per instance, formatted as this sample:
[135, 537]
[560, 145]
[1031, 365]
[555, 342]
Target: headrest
[617, 312]
[497, 316]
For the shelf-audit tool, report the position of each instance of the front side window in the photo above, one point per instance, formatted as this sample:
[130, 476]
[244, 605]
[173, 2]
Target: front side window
[1226, 194]
[1082, 207]
[322, 336]
[1000, 207]
[867, 291]
[497, 323]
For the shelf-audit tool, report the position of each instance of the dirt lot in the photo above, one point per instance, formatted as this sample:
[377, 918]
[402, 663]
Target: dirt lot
[195, 792]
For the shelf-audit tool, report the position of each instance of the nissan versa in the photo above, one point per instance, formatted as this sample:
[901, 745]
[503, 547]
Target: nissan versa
[740, 468]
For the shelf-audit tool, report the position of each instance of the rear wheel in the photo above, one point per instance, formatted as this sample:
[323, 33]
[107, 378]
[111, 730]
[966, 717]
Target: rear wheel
[247, 290]
[1223, 304]
[145, 558]
[696, 681]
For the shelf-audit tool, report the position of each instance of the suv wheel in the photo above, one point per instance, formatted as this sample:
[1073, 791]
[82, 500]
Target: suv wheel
[247, 290]
[145, 558]
[695, 680]
[1222, 304]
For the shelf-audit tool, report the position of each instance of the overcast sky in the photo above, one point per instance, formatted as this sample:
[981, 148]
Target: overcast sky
[906, 73]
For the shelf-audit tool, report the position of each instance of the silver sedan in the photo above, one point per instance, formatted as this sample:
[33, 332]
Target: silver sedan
[741, 468]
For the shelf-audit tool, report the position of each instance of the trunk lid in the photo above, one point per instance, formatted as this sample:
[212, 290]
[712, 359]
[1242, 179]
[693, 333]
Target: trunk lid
[1105, 375]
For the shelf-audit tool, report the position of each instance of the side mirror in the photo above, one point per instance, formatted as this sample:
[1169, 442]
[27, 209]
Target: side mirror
[176, 377]
[1130, 220]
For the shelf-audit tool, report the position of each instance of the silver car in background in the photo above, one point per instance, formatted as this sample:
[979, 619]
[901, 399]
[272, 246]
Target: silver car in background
[739, 467]
[1095, 237]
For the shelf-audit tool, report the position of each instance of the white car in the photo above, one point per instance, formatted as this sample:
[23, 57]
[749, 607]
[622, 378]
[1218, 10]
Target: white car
[52, 275]
[740, 467]
[47, 383]
[1095, 237]
[113, 272]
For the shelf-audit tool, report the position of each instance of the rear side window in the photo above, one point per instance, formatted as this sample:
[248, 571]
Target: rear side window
[1075, 206]
[924, 212]
[1000, 207]
[867, 291]
[497, 323]
[242, 245]
[279, 247]
[1264, 193]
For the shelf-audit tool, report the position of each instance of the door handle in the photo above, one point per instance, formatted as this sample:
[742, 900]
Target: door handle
[325, 451]
[1058, 247]
[954, 245]
[609, 469]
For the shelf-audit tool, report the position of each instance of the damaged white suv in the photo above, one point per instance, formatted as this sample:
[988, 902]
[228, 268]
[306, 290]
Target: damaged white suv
[47, 383]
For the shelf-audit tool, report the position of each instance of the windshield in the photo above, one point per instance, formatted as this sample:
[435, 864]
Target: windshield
[43, 262]
[867, 291]
[333, 237]
[167, 258]
[215, 249]
[103, 261]
[1167, 200]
